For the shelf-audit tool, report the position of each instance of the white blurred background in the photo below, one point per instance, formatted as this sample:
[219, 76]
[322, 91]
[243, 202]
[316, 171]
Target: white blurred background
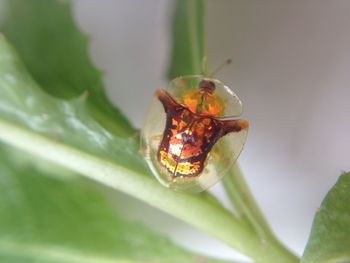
[291, 69]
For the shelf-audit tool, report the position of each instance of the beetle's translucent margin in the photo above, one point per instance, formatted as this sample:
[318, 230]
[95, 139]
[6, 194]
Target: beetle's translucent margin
[155, 125]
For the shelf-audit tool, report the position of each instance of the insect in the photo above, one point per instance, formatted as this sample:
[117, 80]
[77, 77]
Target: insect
[190, 137]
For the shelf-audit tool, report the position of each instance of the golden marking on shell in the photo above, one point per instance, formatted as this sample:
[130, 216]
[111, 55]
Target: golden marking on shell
[183, 168]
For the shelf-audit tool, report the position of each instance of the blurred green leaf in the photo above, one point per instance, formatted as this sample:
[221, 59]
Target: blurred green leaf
[23, 101]
[46, 219]
[55, 53]
[330, 235]
[187, 39]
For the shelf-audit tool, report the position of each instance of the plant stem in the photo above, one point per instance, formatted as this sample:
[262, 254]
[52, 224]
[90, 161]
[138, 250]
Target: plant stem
[244, 203]
[246, 208]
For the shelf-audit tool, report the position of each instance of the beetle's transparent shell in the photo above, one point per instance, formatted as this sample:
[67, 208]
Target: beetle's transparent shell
[221, 108]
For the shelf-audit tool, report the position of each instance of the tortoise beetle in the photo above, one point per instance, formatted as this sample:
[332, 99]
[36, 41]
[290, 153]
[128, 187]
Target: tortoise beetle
[190, 137]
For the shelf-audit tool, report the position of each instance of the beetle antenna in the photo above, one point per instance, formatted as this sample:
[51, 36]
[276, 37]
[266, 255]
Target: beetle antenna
[220, 67]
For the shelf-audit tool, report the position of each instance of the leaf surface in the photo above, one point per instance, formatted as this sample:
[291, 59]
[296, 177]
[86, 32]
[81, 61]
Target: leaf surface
[329, 240]
[55, 53]
[24, 102]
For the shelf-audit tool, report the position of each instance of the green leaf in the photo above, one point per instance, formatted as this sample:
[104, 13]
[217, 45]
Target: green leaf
[187, 39]
[330, 235]
[48, 219]
[63, 133]
[23, 101]
[55, 52]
